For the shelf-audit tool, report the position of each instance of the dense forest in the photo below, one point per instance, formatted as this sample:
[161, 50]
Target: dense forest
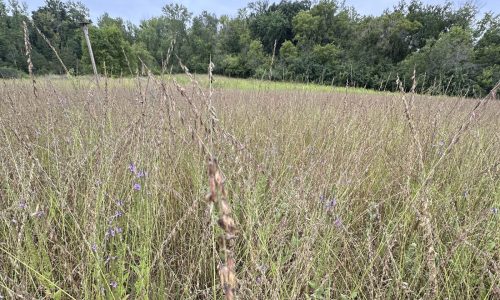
[452, 50]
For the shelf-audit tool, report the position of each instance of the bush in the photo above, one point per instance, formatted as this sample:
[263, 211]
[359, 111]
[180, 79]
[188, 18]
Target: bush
[6, 72]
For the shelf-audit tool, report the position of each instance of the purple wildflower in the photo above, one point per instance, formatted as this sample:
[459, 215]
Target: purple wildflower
[119, 203]
[132, 168]
[338, 222]
[22, 205]
[109, 258]
[494, 210]
[38, 214]
[113, 284]
[94, 247]
[331, 204]
[322, 198]
[137, 186]
[117, 215]
[141, 174]
[112, 231]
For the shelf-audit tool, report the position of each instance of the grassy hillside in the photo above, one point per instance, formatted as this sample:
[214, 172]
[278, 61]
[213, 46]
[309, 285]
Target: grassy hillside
[333, 194]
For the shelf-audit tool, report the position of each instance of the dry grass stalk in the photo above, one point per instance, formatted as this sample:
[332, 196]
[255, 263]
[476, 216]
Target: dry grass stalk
[426, 222]
[53, 49]
[473, 115]
[272, 61]
[128, 63]
[423, 193]
[210, 130]
[174, 231]
[424, 212]
[217, 197]
[27, 46]
[196, 84]
[410, 118]
[165, 62]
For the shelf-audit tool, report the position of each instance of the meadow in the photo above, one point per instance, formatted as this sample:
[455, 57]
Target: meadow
[164, 188]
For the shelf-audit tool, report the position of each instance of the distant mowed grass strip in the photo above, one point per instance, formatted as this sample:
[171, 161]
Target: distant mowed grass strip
[249, 84]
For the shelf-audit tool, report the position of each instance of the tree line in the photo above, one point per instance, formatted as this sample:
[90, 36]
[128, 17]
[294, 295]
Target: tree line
[451, 50]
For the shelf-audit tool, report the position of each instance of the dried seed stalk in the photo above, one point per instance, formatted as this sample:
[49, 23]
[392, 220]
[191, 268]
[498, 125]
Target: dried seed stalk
[217, 198]
[424, 213]
[53, 50]
[27, 45]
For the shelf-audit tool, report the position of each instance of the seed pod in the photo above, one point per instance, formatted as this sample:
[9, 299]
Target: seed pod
[218, 178]
[227, 223]
[231, 264]
[224, 276]
[224, 206]
[230, 236]
[226, 240]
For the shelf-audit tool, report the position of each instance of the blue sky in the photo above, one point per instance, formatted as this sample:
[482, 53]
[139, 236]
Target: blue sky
[137, 10]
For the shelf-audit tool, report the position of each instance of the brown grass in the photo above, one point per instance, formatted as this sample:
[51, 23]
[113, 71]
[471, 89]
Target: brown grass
[416, 190]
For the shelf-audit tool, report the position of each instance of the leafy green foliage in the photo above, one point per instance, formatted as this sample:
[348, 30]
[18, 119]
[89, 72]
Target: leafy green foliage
[326, 42]
[111, 51]
[6, 72]
[449, 57]
[202, 41]
[11, 36]
[59, 23]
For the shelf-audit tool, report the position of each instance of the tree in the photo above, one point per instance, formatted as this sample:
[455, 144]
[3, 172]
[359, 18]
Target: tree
[233, 65]
[269, 27]
[487, 52]
[233, 44]
[436, 18]
[388, 36]
[112, 52]
[273, 23]
[202, 41]
[306, 27]
[288, 52]
[234, 35]
[177, 17]
[4, 40]
[156, 37]
[289, 9]
[325, 59]
[169, 31]
[59, 23]
[288, 56]
[128, 29]
[448, 59]
[12, 47]
[256, 58]
[323, 42]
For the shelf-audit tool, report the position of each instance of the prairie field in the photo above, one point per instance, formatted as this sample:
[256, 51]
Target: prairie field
[169, 188]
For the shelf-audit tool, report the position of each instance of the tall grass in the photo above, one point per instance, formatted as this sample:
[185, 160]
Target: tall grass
[335, 195]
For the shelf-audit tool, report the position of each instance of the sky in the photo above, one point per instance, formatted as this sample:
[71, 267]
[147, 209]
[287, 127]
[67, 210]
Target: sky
[137, 10]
